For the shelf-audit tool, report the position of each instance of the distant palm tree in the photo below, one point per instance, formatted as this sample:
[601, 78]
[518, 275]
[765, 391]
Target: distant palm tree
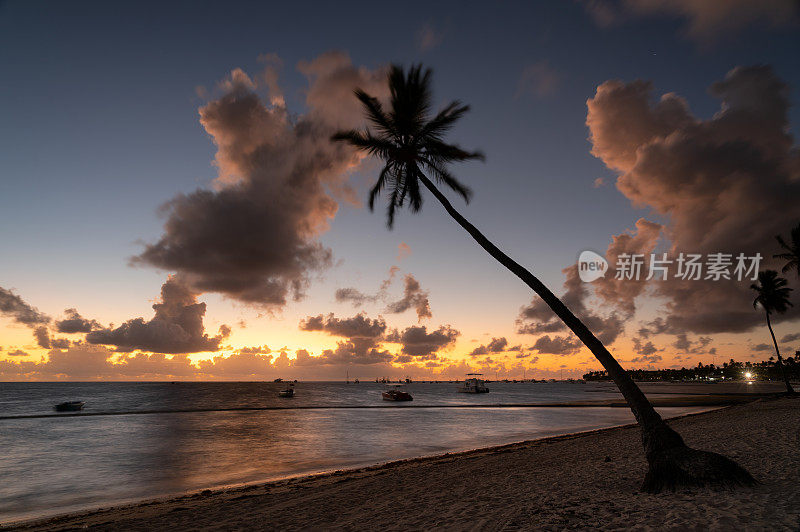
[773, 296]
[792, 251]
[410, 142]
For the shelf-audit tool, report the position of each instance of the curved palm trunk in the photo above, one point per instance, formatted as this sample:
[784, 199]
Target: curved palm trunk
[671, 462]
[789, 388]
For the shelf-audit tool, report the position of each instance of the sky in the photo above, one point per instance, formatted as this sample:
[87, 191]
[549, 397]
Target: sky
[171, 206]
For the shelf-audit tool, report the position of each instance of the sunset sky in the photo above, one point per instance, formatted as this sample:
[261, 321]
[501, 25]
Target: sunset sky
[171, 206]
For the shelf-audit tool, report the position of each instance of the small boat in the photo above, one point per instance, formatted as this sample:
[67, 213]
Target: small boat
[69, 406]
[288, 392]
[472, 384]
[396, 393]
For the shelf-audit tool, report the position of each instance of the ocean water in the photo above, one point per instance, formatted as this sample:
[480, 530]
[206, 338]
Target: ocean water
[63, 463]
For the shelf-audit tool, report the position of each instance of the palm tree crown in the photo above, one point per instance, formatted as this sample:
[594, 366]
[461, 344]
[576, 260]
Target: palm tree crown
[773, 292]
[792, 251]
[409, 140]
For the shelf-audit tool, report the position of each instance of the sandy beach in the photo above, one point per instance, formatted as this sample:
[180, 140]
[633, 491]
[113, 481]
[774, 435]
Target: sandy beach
[587, 480]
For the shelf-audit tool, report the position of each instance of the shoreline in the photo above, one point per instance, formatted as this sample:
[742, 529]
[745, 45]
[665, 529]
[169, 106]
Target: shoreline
[222, 497]
[301, 478]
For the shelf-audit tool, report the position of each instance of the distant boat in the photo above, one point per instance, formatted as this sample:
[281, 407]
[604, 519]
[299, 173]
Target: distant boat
[472, 384]
[288, 392]
[396, 393]
[69, 406]
[356, 381]
[278, 380]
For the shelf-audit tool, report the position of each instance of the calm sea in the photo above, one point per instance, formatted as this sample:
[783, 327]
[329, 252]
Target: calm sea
[59, 464]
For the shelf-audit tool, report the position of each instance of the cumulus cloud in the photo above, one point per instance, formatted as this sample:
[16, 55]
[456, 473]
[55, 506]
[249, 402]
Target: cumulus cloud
[13, 306]
[497, 345]
[359, 325]
[362, 334]
[537, 318]
[556, 345]
[413, 297]
[75, 323]
[418, 342]
[646, 348]
[727, 184]
[177, 326]
[254, 237]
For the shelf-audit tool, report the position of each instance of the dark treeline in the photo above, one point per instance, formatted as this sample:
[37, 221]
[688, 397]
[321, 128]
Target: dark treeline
[732, 370]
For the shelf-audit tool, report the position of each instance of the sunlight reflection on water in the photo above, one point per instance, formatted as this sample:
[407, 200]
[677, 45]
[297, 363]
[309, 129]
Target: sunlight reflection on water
[54, 465]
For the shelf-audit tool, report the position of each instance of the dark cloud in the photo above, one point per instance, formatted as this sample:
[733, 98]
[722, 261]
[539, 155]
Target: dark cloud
[557, 345]
[763, 347]
[537, 317]
[790, 338]
[359, 326]
[497, 345]
[17, 353]
[177, 326]
[361, 346]
[418, 342]
[355, 351]
[354, 296]
[413, 297]
[75, 323]
[42, 335]
[13, 306]
[727, 184]
[646, 348]
[650, 359]
[253, 237]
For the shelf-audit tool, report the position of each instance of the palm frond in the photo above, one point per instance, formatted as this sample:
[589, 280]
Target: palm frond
[409, 140]
[442, 175]
[379, 184]
[366, 141]
[375, 112]
[444, 120]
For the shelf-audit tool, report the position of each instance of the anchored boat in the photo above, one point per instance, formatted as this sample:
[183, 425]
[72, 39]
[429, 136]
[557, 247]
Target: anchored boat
[69, 406]
[473, 384]
[396, 393]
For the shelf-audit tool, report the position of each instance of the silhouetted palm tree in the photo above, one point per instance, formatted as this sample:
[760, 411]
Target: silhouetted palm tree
[773, 296]
[410, 142]
[791, 252]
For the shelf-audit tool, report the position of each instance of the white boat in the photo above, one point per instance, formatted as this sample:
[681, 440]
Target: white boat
[473, 384]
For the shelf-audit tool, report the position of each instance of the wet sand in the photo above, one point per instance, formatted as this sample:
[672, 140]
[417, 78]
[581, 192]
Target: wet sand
[587, 480]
